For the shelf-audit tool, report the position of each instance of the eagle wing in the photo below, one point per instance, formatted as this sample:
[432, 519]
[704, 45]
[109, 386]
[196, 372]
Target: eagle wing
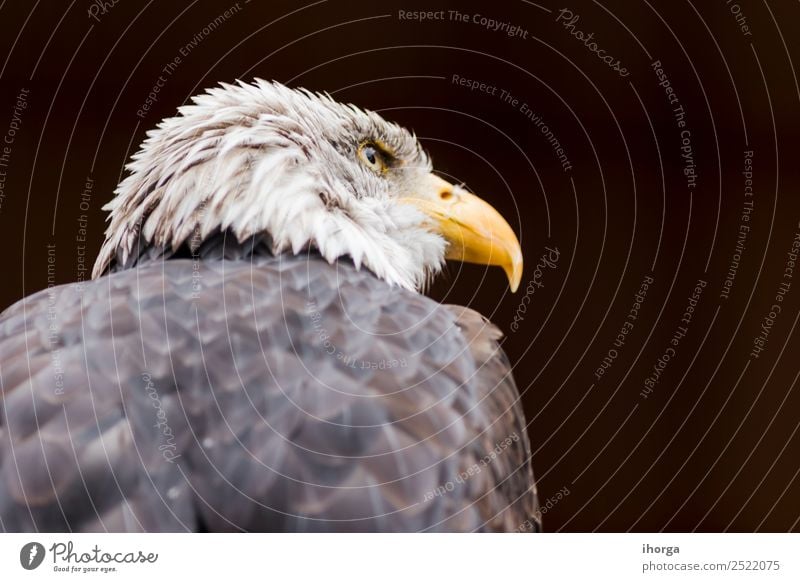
[272, 394]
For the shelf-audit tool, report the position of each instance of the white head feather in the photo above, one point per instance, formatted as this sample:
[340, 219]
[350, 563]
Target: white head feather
[263, 158]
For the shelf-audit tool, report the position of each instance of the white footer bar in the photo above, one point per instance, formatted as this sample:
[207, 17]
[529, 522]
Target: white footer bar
[399, 557]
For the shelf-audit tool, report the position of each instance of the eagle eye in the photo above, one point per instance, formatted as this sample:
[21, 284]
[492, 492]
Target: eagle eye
[374, 157]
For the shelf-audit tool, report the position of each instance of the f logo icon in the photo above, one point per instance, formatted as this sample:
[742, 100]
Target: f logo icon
[31, 555]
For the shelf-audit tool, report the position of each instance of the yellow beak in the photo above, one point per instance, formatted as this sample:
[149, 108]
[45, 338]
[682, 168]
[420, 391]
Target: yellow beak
[475, 231]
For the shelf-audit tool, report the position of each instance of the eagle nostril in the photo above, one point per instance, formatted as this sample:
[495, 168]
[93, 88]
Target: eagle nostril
[446, 194]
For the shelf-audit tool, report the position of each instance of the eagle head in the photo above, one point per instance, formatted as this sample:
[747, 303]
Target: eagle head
[309, 172]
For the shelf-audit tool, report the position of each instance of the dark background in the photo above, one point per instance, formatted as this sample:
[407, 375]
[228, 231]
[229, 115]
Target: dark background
[714, 447]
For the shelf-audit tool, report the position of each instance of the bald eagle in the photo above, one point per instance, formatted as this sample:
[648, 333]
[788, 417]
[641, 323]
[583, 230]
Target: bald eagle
[254, 352]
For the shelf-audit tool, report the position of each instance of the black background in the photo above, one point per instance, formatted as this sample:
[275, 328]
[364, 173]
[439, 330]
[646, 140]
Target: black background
[714, 447]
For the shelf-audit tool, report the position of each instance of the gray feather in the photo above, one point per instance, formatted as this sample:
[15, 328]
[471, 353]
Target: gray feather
[271, 394]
